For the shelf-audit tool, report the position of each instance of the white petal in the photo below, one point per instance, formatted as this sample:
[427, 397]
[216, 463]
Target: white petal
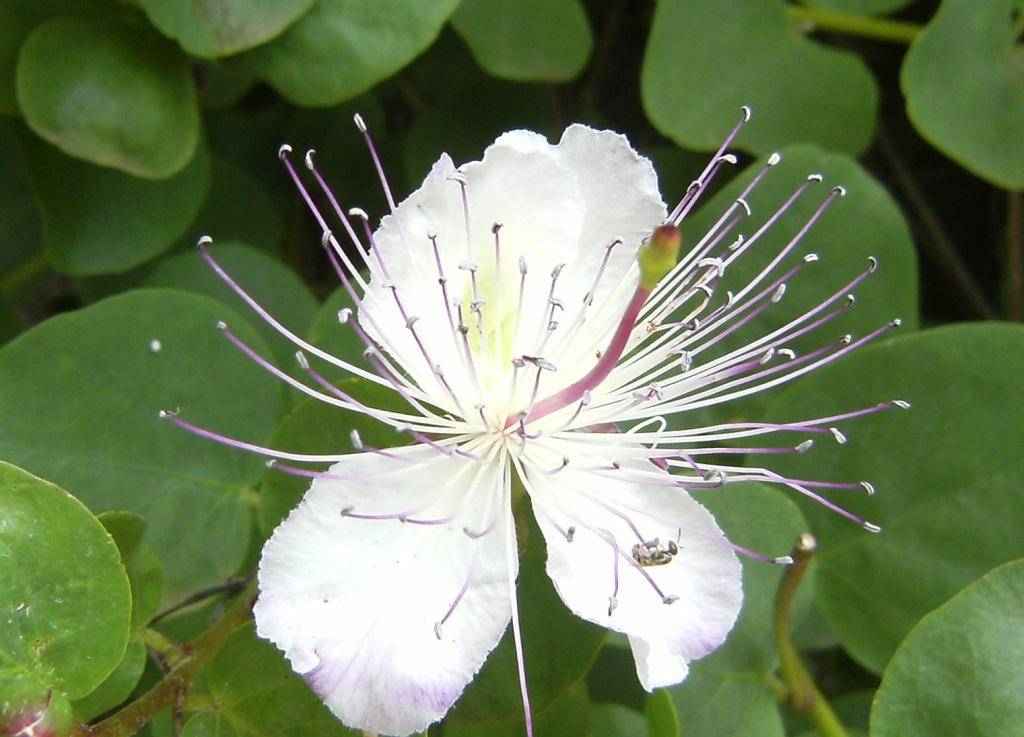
[354, 602]
[703, 574]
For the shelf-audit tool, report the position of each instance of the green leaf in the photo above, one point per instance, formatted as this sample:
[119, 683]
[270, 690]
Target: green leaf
[660, 715]
[965, 89]
[238, 208]
[947, 474]
[98, 220]
[534, 40]
[110, 93]
[726, 705]
[256, 694]
[317, 427]
[211, 28]
[80, 395]
[343, 47]
[145, 573]
[118, 686]
[959, 672]
[865, 223]
[568, 715]
[558, 649]
[65, 604]
[615, 720]
[270, 282]
[860, 7]
[799, 90]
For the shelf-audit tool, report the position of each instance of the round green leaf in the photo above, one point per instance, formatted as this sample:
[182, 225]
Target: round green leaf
[238, 208]
[660, 715]
[211, 28]
[959, 672]
[948, 475]
[535, 40]
[114, 94]
[145, 573]
[965, 90]
[256, 694]
[799, 90]
[80, 395]
[65, 605]
[615, 720]
[119, 684]
[566, 716]
[275, 286]
[98, 220]
[865, 223]
[342, 47]
[860, 7]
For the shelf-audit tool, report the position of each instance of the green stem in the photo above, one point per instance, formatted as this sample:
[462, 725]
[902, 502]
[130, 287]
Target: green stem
[171, 690]
[802, 694]
[851, 24]
[170, 651]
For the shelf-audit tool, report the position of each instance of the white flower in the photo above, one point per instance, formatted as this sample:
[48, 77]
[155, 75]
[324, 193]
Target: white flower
[529, 309]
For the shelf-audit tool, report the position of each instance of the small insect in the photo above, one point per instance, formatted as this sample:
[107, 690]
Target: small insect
[653, 553]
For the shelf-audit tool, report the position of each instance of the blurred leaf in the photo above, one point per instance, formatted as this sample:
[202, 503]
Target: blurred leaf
[660, 715]
[238, 209]
[719, 704]
[342, 47]
[860, 7]
[80, 394]
[569, 715]
[960, 672]
[98, 220]
[766, 521]
[65, 604]
[615, 720]
[964, 85]
[558, 648]
[21, 227]
[211, 28]
[800, 91]
[536, 40]
[948, 498]
[110, 93]
[256, 694]
[270, 282]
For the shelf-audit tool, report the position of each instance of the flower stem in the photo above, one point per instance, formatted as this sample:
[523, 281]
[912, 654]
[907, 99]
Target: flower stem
[170, 691]
[852, 24]
[802, 693]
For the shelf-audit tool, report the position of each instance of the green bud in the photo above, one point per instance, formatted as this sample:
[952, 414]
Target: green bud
[29, 708]
[658, 255]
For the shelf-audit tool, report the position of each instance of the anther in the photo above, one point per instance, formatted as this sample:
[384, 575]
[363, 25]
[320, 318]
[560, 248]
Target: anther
[872, 264]
[303, 361]
[437, 629]
[284, 151]
[850, 299]
[309, 159]
[346, 511]
[457, 176]
[472, 535]
[871, 527]
[357, 441]
[522, 265]
[557, 270]
[570, 534]
[360, 123]
[778, 293]
[810, 258]
[670, 599]
[613, 603]
[840, 438]
[221, 325]
[204, 240]
[804, 446]
[325, 239]
[155, 346]
[728, 159]
[344, 315]
[868, 487]
[468, 266]
[165, 413]
[841, 191]
[746, 113]
[901, 404]
[774, 159]
[845, 339]
[814, 177]
[411, 320]
[896, 323]
[782, 560]
[743, 203]
[271, 464]
[358, 212]
[496, 227]
[788, 353]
